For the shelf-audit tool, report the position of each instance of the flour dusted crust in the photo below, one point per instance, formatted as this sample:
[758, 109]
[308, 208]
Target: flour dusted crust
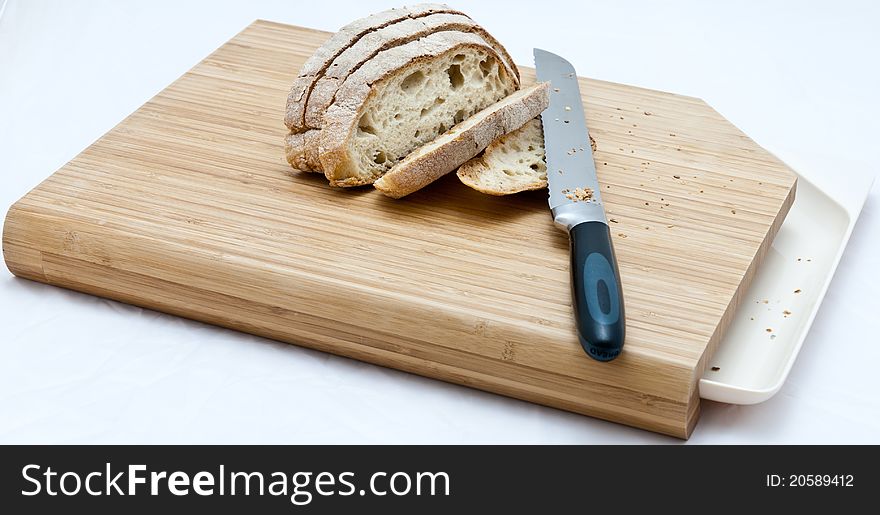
[301, 150]
[457, 75]
[464, 141]
[315, 66]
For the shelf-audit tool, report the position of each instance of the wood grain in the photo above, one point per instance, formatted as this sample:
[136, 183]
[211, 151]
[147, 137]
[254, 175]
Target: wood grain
[188, 207]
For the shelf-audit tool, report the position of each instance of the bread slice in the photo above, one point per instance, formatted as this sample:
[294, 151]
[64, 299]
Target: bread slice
[324, 89]
[513, 163]
[464, 141]
[315, 66]
[404, 98]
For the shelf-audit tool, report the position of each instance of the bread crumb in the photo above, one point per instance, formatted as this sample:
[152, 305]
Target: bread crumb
[670, 226]
[676, 176]
[621, 235]
[798, 290]
[786, 313]
[751, 318]
[648, 113]
[733, 211]
[765, 301]
[568, 108]
[716, 369]
[769, 329]
[578, 194]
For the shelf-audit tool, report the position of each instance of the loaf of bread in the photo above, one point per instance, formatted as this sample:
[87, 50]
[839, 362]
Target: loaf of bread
[324, 89]
[324, 56]
[405, 97]
[462, 142]
[302, 148]
[355, 44]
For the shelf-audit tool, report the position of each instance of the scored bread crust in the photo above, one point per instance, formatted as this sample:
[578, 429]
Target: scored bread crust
[315, 66]
[301, 150]
[324, 89]
[341, 119]
[463, 141]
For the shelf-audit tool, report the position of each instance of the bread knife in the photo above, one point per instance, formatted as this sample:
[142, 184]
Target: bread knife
[576, 206]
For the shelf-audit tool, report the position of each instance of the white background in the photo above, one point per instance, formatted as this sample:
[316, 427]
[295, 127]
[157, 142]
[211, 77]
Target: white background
[799, 77]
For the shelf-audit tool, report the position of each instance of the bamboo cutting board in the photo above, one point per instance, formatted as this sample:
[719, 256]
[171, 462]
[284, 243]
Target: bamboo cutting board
[188, 207]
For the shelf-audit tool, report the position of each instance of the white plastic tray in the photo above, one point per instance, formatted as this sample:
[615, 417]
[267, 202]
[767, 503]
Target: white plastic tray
[751, 363]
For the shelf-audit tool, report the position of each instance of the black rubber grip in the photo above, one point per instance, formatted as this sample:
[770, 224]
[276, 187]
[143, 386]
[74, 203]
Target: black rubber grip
[597, 295]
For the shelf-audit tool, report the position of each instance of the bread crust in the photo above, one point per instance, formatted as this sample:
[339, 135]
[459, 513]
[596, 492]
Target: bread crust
[293, 151]
[464, 141]
[340, 121]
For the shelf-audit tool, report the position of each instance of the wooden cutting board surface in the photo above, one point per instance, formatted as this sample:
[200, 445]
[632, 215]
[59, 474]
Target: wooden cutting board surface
[188, 207]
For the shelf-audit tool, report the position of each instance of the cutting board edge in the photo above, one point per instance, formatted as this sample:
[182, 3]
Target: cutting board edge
[50, 266]
[40, 261]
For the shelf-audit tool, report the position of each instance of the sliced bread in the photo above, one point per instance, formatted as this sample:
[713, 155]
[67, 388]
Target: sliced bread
[324, 88]
[404, 98]
[315, 66]
[302, 153]
[511, 164]
[464, 141]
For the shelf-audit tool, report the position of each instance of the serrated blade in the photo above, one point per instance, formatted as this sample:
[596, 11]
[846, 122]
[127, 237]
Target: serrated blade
[570, 166]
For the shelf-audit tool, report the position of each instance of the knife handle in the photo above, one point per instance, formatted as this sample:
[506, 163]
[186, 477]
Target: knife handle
[596, 293]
